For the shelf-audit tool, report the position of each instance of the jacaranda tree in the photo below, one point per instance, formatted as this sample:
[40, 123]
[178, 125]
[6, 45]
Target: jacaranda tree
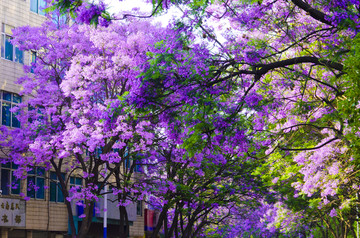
[75, 117]
[241, 110]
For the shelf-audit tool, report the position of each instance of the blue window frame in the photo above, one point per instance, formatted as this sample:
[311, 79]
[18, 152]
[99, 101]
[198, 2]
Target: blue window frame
[32, 61]
[139, 208]
[76, 182]
[56, 195]
[9, 183]
[8, 51]
[36, 183]
[8, 48]
[38, 6]
[127, 163]
[8, 101]
[60, 20]
[138, 162]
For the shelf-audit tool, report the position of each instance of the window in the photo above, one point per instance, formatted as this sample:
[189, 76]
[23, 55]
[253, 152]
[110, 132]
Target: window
[76, 182]
[130, 161]
[35, 113]
[127, 162]
[137, 168]
[8, 101]
[60, 20]
[56, 194]
[32, 61]
[8, 51]
[138, 161]
[9, 183]
[38, 6]
[139, 208]
[35, 183]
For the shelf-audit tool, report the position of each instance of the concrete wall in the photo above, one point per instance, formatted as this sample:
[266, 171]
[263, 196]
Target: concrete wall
[15, 13]
[45, 215]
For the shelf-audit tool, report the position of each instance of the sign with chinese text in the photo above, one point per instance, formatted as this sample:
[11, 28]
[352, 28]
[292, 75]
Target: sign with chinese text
[12, 212]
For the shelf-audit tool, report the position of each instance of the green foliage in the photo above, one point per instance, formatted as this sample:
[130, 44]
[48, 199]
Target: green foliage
[65, 5]
[70, 6]
[349, 104]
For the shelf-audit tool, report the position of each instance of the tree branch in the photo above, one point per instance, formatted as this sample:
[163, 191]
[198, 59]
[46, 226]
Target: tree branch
[299, 60]
[313, 148]
[314, 13]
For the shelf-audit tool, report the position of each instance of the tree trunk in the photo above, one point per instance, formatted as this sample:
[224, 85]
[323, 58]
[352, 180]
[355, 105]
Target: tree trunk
[86, 222]
[124, 222]
[66, 194]
[174, 223]
[71, 218]
[162, 217]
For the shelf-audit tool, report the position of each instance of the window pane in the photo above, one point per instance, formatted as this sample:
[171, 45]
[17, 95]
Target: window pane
[40, 193]
[33, 61]
[62, 20]
[2, 45]
[33, 57]
[59, 20]
[32, 171]
[7, 29]
[5, 181]
[15, 121]
[53, 191]
[53, 176]
[6, 114]
[30, 187]
[127, 163]
[139, 208]
[16, 98]
[42, 6]
[40, 171]
[7, 96]
[138, 168]
[19, 56]
[7, 165]
[78, 181]
[8, 48]
[34, 5]
[15, 186]
[14, 166]
[60, 197]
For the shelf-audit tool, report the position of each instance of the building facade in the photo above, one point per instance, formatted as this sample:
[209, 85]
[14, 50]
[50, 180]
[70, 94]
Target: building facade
[45, 214]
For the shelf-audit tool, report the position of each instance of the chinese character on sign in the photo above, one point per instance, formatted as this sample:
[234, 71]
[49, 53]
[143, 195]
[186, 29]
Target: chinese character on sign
[7, 206]
[17, 206]
[12, 206]
[18, 219]
[5, 218]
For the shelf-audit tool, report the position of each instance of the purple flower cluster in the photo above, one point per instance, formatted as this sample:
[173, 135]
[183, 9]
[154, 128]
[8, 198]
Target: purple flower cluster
[87, 12]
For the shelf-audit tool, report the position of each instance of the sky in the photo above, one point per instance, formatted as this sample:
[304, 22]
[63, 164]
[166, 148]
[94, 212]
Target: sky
[114, 6]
